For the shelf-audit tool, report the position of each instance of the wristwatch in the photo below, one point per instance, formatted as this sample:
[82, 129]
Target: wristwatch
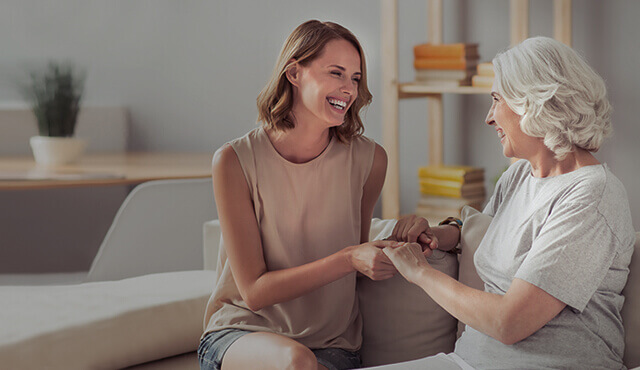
[457, 223]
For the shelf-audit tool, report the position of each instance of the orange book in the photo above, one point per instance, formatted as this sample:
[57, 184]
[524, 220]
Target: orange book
[445, 50]
[444, 63]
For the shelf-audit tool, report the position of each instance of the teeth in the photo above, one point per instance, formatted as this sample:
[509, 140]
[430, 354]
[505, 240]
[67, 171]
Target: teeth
[338, 103]
[500, 134]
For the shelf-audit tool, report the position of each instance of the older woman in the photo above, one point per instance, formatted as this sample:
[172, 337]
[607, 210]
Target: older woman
[555, 258]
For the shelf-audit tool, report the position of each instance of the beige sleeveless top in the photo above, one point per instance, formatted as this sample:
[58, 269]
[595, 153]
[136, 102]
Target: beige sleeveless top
[305, 212]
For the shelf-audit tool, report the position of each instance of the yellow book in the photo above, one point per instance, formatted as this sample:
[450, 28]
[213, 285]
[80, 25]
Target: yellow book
[450, 188]
[454, 173]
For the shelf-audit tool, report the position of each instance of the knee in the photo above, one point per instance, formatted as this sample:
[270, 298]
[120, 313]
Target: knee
[299, 357]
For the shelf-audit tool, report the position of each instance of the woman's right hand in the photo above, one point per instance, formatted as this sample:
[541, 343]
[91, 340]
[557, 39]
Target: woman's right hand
[369, 259]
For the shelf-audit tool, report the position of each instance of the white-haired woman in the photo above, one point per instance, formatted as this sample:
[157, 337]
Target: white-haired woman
[555, 257]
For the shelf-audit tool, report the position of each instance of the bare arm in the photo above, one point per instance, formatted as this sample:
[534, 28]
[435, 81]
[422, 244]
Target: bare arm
[509, 318]
[258, 286]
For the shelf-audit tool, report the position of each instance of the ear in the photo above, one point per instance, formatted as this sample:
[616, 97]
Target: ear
[293, 72]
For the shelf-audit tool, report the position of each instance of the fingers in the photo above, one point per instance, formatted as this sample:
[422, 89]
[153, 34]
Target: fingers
[385, 243]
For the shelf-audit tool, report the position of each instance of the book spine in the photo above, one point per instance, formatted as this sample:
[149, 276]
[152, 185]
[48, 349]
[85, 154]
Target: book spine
[486, 69]
[482, 81]
[445, 63]
[445, 50]
[442, 191]
[453, 174]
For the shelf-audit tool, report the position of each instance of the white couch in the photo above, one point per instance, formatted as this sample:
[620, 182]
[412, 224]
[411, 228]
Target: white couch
[154, 321]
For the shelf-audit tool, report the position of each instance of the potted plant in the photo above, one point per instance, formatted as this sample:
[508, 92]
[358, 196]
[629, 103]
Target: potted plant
[54, 94]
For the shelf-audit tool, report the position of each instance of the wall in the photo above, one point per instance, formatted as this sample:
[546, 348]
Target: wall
[189, 71]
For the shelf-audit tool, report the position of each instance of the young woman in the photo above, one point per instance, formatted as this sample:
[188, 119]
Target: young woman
[556, 255]
[295, 198]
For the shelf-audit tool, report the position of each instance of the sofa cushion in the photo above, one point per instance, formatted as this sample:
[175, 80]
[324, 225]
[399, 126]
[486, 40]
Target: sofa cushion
[631, 310]
[475, 224]
[103, 325]
[401, 322]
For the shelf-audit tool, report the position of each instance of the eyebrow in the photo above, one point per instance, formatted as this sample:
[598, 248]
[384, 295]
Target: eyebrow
[343, 69]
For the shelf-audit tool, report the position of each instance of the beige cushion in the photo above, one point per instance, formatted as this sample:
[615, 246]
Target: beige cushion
[103, 325]
[474, 226]
[400, 321]
[631, 310]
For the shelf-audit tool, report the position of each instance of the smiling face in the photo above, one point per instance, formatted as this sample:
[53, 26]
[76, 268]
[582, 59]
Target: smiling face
[325, 88]
[515, 143]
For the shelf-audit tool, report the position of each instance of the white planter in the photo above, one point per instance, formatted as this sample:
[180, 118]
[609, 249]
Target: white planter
[52, 151]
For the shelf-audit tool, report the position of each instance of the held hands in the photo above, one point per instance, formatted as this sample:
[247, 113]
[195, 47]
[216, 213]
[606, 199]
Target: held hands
[414, 229]
[409, 259]
[370, 260]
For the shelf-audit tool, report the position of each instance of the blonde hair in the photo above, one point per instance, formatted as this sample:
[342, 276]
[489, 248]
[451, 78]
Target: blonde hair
[560, 98]
[305, 44]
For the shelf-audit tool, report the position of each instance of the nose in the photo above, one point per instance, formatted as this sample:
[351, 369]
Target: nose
[349, 88]
[489, 118]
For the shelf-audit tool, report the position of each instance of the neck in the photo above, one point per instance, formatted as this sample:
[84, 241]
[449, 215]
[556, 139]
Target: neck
[300, 144]
[544, 163]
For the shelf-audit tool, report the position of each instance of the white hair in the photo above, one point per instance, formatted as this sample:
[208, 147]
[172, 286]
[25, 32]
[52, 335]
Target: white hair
[560, 98]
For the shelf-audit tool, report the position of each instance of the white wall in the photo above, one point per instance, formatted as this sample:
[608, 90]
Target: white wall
[190, 71]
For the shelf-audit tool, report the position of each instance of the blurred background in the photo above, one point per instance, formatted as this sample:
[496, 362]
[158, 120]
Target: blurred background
[189, 71]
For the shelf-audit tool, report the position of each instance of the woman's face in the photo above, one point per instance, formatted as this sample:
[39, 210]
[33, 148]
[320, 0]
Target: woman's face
[515, 143]
[327, 87]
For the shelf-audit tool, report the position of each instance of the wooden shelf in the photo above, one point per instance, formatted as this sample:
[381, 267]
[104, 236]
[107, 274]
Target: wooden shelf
[418, 90]
[392, 91]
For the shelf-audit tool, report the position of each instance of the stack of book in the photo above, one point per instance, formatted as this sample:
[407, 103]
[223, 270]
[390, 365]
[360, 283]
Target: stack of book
[485, 75]
[445, 64]
[446, 189]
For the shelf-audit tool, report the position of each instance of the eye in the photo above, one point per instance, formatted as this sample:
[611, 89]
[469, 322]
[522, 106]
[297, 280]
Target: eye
[356, 79]
[336, 73]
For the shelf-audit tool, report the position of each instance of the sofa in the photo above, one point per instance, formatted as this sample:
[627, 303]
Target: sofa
[154, 321]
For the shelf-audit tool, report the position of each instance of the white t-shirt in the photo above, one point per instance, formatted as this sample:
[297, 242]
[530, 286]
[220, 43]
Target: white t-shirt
[570, 235]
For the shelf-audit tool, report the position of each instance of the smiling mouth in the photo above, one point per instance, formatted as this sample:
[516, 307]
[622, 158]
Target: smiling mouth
[501, 134]
[336, 103]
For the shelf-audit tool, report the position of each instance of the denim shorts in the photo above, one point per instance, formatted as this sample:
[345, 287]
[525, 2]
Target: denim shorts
[214, 345]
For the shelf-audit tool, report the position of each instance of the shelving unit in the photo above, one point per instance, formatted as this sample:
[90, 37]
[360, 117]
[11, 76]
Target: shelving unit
[393, 90]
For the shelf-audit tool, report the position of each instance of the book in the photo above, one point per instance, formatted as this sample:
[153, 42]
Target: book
[445, 50]
[445, 63]
[445, 83]
[485, 69]
[444, 74]
[482, 81]
[435, 201]
[444, 77]
[454, 173]
[450, 188]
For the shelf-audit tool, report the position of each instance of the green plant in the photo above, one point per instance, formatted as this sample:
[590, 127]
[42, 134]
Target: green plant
[54, 94]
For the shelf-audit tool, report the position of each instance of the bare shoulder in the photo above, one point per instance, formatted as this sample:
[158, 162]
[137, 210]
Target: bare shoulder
[225, 159]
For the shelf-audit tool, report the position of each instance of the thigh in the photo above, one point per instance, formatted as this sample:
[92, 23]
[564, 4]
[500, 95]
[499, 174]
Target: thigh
[214, 345]
[261, 350]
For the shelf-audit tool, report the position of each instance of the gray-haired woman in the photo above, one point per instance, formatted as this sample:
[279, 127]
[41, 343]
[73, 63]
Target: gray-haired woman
[555, 257]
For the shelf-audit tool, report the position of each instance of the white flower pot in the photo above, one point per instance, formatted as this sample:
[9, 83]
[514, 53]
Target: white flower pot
[52, 151]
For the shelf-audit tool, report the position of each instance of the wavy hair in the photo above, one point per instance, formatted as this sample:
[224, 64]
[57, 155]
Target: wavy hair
[304, 45]
[559, 96]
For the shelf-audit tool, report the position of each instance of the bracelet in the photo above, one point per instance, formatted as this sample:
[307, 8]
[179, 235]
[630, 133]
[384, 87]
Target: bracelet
[457, 223]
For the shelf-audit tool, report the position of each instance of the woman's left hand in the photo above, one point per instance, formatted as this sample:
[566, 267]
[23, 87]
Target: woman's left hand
[408, 259]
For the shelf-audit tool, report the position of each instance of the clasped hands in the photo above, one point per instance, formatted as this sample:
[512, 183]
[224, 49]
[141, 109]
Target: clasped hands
[405, 251]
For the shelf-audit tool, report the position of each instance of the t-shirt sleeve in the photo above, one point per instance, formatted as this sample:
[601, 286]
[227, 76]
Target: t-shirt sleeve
[571, 254]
